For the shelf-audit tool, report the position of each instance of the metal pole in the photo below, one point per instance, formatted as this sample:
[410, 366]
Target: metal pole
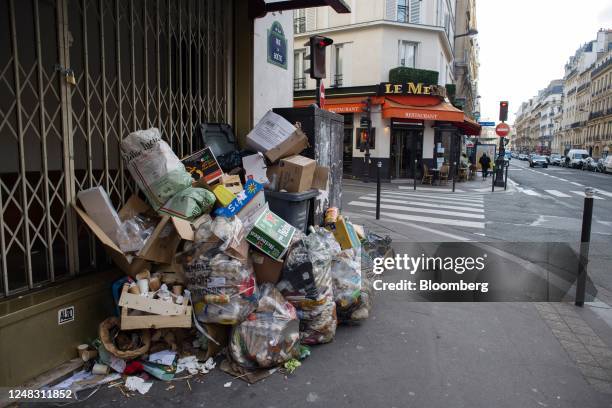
[506, 180]
[585, 238]
[454, 171]
[319, 92]
[378, 166]
[414, 172]
[492, 180]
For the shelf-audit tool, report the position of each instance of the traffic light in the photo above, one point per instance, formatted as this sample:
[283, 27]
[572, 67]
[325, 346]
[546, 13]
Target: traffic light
[317, 44]
[503, 111]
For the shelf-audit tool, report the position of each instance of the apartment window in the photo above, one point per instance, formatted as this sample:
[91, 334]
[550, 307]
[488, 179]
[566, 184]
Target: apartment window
[299, 66]
[403, 11]
[338, 62]
[299, 21]
[407, 54]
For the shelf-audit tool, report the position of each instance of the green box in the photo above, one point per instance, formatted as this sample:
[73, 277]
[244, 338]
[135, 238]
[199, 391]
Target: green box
[271, 234]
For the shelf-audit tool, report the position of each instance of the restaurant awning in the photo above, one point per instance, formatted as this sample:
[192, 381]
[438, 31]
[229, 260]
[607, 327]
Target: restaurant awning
[337, 105]
[400, 107]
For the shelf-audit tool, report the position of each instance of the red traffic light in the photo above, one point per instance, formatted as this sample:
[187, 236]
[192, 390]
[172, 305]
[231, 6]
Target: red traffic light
[324, 42]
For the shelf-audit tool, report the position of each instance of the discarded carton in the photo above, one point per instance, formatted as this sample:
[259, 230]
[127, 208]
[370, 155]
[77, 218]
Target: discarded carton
[255, 168]
[296, 173]
[345, 234]
[276, 137]
[203, 165]
[319, 179]
[232, 183]
[271, 234]
[223, 195]
[99, 208]
[160, 247]
[266, 268]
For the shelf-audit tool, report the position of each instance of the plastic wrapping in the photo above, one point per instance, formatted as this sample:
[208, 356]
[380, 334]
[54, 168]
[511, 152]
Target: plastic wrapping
[134, 232]
[190, 203]
[374, 246]
[346, 275]
[307, 283]
[268, 337]
[360, 308]
[157, 170]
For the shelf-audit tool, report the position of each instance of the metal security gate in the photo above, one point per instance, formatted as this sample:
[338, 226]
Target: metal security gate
[136, 64]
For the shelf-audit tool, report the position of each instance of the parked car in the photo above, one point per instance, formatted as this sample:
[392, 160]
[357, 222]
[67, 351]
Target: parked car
[589, 164]
[522, 156]
[555, 159]
[608, 164]
[575, 158]
[600, 166]
[537, 161]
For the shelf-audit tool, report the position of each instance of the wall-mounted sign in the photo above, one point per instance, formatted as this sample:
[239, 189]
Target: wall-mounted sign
[410, 88]
[65, 315]
[277, 45]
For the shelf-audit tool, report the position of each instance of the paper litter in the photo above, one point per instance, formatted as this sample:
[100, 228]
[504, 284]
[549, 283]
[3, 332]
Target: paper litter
[138, 384]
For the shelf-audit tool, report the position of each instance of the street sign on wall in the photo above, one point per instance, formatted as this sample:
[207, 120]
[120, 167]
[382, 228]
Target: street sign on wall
[502, 130]
[487, 124]
[277, 45]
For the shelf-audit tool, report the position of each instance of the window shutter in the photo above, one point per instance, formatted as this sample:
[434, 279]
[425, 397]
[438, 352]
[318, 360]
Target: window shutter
[415, 11]
[311, 19]
[391, 10]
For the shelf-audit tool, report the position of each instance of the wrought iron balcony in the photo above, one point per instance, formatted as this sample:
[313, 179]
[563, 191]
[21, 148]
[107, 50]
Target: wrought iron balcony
[337, 81]
[402, 13]
[299, 83]
[299, 25]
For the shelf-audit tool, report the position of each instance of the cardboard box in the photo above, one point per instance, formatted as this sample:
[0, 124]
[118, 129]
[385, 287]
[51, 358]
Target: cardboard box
[255, 168]
[345, 234]
[319, 179]
[271, 234]
[203, 165]
[232, 183]
[160, 247]
[266, 269]
[296, 174]
[99, 208]
[161, 314]
[294, 144]
[223, 195]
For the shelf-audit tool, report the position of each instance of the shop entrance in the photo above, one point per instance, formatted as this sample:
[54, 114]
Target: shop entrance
[406, 146]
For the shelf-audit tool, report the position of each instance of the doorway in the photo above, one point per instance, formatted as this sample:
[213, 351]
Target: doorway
[406, 146]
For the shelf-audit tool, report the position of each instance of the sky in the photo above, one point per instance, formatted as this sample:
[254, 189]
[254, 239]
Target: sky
[524, 44]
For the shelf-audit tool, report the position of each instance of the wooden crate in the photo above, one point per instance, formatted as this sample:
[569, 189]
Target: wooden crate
[161, 315]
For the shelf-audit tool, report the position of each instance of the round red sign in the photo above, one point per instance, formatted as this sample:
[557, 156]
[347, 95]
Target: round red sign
[502, 129]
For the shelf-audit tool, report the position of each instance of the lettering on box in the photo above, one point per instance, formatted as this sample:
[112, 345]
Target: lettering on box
[65, 315]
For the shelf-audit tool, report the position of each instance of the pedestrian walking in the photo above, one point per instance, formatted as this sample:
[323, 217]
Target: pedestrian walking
[485, 163]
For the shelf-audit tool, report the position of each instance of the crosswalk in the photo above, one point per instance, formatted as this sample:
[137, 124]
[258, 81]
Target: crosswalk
[599, 194]
[441, 208]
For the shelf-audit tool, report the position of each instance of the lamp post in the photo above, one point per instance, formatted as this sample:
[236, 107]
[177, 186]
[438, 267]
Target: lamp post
[471, 32]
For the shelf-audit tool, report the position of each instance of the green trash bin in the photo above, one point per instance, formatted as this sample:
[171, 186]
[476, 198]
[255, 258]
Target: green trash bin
[292, 207]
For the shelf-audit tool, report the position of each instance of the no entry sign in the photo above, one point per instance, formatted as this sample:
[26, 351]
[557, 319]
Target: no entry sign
[502, 130]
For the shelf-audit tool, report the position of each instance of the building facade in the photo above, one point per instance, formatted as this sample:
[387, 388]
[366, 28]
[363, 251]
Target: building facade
[371, 43]
[466, 58]
[599, 125]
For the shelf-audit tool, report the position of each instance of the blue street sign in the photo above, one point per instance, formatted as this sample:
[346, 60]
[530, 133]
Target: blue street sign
[487, 124]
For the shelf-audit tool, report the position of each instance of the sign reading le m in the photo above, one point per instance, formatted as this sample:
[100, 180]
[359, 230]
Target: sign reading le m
[410, 88]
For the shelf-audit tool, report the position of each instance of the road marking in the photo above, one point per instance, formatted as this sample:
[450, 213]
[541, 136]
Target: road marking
[562, 179]
[441, 197]
[447, 189]
[581, 194]
[372, 197]
[576, 184]
[602, 192]
[531, 192]
[557, 193]
[444, 221]
[417, 210]
[433, 231]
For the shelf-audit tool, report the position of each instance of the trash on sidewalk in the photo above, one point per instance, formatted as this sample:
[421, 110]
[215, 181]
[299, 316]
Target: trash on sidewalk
[138, 384]
[276, 137]
[270, 335]
[271, 234]
[203, 166]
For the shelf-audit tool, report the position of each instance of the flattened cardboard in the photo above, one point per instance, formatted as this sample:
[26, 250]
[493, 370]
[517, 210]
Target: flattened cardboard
[98, 206]
[296, 173]
[320, 178]
[266, 269]
[293, 145]
[255, 168]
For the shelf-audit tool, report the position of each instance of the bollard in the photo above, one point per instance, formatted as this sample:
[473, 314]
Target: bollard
[378, 166]
[492, 181]
[454, 171]
[414, 172]
[506, 180]
[585, 238]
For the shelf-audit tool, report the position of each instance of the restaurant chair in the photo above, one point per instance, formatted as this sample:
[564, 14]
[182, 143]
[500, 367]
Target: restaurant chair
[427, 176]
[444, 170]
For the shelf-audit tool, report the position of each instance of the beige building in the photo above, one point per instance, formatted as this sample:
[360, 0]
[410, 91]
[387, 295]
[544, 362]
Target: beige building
[599, 125]
[466, 57]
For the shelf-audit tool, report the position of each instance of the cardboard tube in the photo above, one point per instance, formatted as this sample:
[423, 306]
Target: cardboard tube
[133, 289]
[143, 285]
[154, 284]
[82, 348]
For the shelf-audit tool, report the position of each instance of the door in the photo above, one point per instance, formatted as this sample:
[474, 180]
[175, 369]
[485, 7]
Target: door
[406, 146]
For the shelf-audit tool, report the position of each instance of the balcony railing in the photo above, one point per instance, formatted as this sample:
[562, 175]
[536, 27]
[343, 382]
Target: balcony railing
[299, 25]
[402, 13]
[337, 81]
[299, 83]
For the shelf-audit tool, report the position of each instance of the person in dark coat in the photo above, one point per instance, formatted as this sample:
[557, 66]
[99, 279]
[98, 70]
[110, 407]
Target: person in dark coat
[485, 164]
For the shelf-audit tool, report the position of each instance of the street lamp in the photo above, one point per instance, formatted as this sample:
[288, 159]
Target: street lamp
[471, 32]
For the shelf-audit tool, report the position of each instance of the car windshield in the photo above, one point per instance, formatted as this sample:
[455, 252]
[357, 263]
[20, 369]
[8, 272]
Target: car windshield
[538, 158]
[580, 156]
[554, 156]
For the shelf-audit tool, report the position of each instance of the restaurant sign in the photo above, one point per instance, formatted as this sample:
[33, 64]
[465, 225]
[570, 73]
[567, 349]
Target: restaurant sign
[410, 88]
